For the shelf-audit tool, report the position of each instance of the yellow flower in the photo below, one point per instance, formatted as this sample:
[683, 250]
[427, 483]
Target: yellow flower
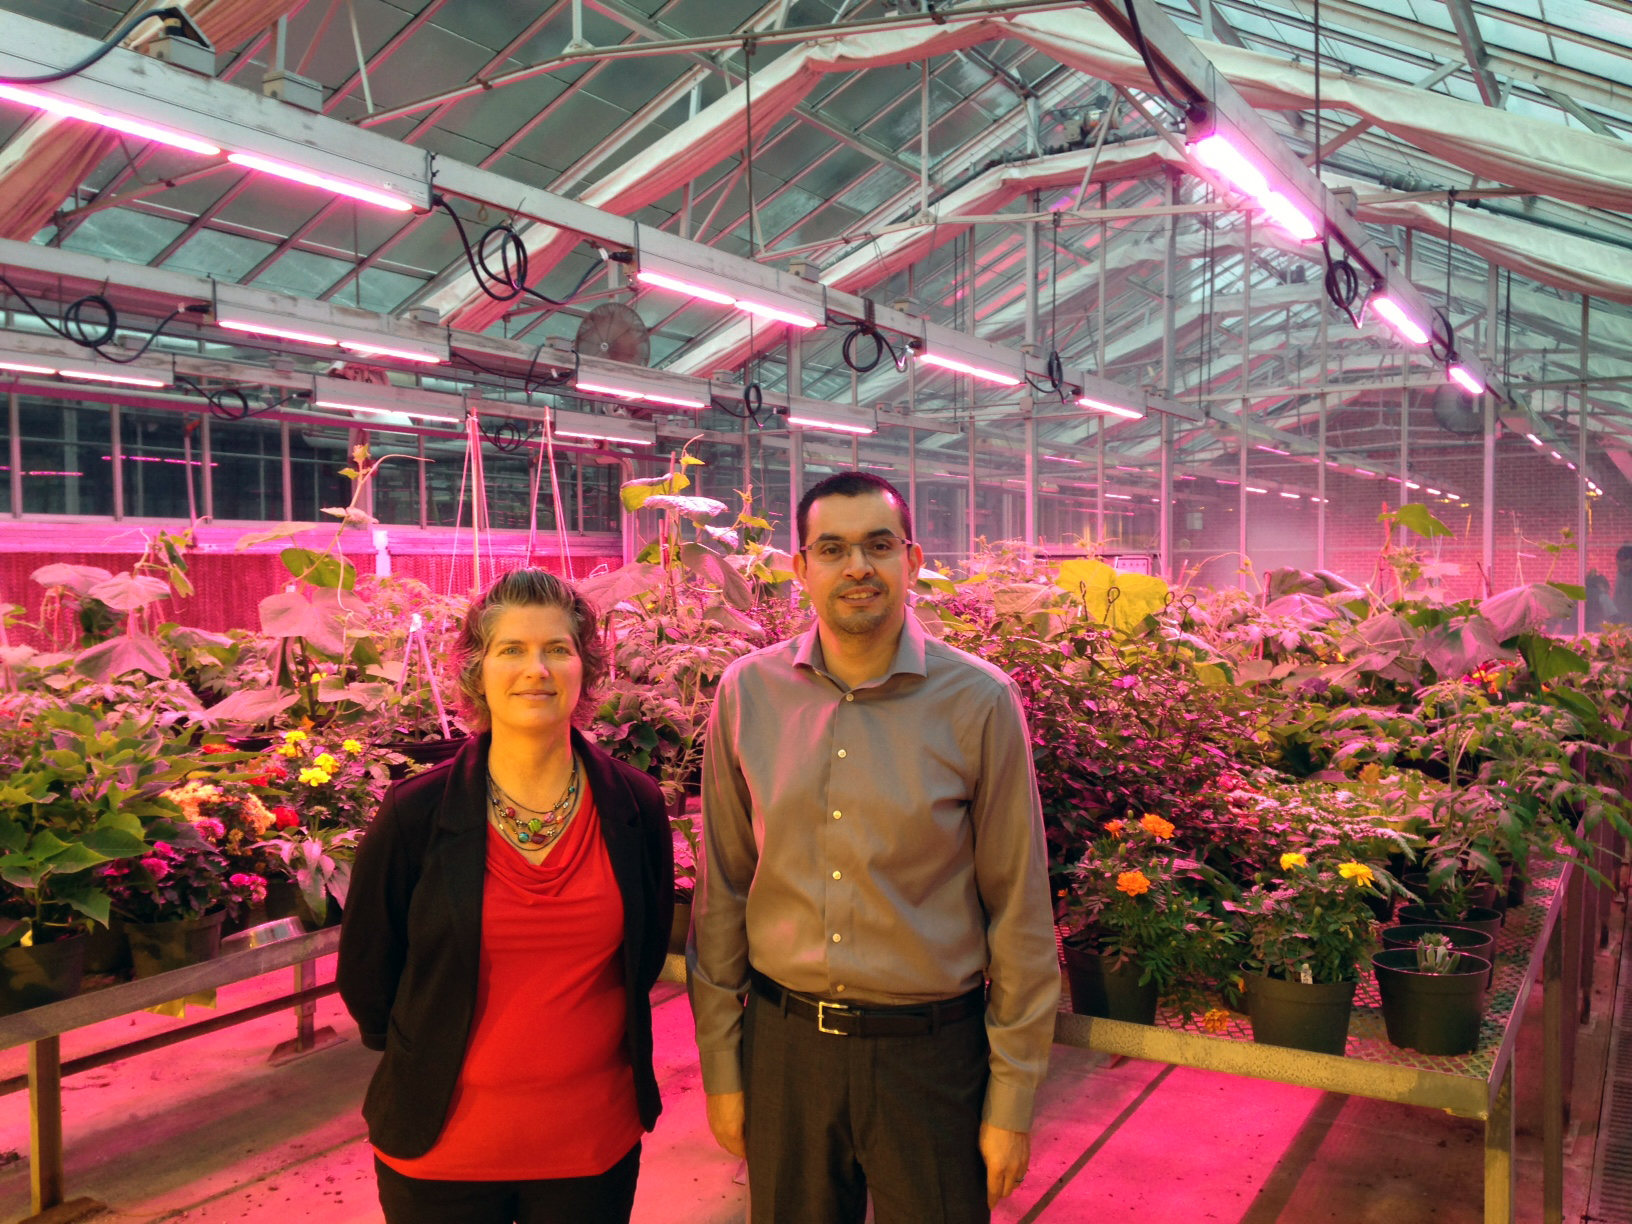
[351, 746]
[1158, 828]
[314, 777]
[287, 750]
[326, 762]
[1359, 873]
[1371, 774]
[1289, 861]
[1217, 1020]
[296, 736]
[1132, 882]
[1114, 827]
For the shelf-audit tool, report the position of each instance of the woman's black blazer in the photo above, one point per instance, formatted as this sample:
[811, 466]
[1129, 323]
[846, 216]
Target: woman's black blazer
[412, 931]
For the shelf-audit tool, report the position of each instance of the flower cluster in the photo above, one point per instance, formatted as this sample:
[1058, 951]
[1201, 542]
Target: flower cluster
[182, 876]
[1313, 919]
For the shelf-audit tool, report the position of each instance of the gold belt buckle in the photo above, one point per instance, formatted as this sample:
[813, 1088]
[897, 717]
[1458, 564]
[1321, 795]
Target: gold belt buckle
[822, 1009]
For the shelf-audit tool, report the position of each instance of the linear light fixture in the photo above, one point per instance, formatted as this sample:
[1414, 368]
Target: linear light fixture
[345, 395]
[1402, 324]
[45, 356]
[660, 273]
[1465, 378]
[327, 325]
[600, 382]
[961, 363]
[130, 126]
[1124, 411]
[1218, 153]
[311, 178]
[592, 427]
[839, 418]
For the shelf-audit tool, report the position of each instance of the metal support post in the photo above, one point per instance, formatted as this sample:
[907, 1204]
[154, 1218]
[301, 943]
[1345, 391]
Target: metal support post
[288, 473]
[14, 411]
[1320, 466]
[45, 1123]
[1165, 520]
[1499, 1153]
[1405, 444]
[116, 426]
[1487, 512]
[1581, 473]
[308, 1036]
[973, 488]
[796, 439]
[1099, 481]
[1170, 259]
[206, 477]
[1246, 400]
[1031, 481]
[1552, 1079]
[1241, 500]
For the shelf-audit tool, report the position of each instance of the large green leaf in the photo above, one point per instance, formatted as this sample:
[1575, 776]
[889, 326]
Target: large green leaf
[121, 655]
[249, 707]
[1524, 609]
[1458, 647]
[113, 843]
[319, 569]
[1136, 595]
[1418, 518]
[605, 591]
[76, 578]
[701, 559]
[635, 493]
[128, 592]
[1549, 659]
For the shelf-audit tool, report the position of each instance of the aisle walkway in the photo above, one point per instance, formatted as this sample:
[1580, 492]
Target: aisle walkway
[208, 1131]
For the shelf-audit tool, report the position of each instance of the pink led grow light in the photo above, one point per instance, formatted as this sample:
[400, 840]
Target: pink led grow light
[19, 368]
[776, 314]
[297, 174]
[369, 349]
[378, 411]
[963, 367]
[129, 380]
[1466, 379]
[1223, 158]
[282, 333]
[1116, 410]
[1292, 496]
[118, 123]
[594, 437]
[1407, 328]
[812, 423]
[661, 281]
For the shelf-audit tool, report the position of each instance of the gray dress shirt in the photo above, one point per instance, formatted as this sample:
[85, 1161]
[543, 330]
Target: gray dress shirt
[882, 844]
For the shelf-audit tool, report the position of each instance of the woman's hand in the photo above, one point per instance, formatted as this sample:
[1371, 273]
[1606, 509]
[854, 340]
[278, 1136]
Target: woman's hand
[726, 1112]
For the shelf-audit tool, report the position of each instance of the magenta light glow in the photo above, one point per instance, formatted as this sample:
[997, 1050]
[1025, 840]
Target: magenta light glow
[1255, 489]
[606, 389]
[118, 123]
[1222, 481]
[813, 423]
[1121, 496]
[19, 368]
[369, 349]
[128, 380]
[594, 437]
[1219, 155]
[1556, 455]
[660, 281]
[1273, 450]
[1292, 496]
[311, 178]
[961, 367]
[1407, 328]
[1411, 484]
[1064, 459]
[1535, 439]
[1116, 410]
[1466, 379]
[376, 411]
[282, 333]
[777, 314]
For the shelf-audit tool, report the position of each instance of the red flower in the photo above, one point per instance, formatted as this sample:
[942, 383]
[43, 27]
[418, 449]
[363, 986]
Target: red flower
[285, 817]
[213, 749]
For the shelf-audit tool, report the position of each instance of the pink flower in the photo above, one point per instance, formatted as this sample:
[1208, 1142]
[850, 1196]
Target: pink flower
[211, 828]
[163, 850]
[157, 867]
[253, 884]
[1125, 682]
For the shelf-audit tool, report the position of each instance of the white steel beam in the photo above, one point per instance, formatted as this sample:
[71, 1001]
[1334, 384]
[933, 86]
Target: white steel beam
[1473, 50]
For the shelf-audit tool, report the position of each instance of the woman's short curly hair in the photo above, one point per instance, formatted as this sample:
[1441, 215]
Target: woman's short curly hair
[527, 588]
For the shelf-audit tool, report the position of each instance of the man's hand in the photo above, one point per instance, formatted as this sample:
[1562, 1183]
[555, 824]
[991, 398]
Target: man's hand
[1007, 1154]
[725, 1117]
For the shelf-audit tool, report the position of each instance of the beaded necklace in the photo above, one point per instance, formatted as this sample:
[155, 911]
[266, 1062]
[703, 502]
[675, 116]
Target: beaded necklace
[538, 829]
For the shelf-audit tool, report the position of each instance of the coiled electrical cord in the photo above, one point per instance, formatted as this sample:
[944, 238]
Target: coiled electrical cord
[864, 329]
[73, 326]
[508, 281]
[1054, 371]
[753, 404]
[1342, 284]
[171, 15]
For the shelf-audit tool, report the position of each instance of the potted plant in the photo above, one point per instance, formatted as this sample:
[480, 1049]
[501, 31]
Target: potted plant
[1433, 995]
[1307, 930]
[175, 898]
[1143, 924]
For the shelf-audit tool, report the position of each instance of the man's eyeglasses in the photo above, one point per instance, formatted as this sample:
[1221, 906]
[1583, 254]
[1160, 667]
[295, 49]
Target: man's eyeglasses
[873, 548]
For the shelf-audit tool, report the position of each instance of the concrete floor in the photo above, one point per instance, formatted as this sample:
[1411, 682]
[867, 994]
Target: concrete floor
[208, 1131]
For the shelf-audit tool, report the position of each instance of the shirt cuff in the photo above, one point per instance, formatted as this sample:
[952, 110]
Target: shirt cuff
[722, 1071]
[1008, 1106]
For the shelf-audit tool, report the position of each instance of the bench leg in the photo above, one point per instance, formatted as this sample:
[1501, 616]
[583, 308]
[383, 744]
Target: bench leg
[45, 1122]
[1552, 1081]
[1499, 1154]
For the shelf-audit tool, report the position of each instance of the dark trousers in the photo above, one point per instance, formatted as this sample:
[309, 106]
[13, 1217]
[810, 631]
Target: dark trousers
[832, 1118]
[607, 1198]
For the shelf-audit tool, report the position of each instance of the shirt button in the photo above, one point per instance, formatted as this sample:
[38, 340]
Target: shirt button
[839, 988]
[836, 875]
[838, 815]
[849, 696]
[842, 754]
[835, 938]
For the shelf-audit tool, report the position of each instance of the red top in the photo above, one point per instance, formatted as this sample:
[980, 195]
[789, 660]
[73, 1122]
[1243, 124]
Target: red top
[546, 1089]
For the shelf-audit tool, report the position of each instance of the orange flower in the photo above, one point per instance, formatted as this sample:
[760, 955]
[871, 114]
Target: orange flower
[1114, 827]
[1217, 1020]
[1158, 828]
[1132, 882]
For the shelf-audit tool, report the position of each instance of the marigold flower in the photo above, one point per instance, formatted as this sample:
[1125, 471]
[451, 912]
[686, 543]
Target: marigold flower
[1115, 827]
[326, 762]
[213, 749]
[1358, 873]
[1132, 882]
[1217, 1020]
[1291, 860]
[315, 777]
[287, 750]
[1158, 828]
[352, 746]
[285, 817]
[296, 736]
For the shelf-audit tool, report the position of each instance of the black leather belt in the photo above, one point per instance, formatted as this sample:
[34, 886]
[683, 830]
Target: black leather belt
[852, 1020]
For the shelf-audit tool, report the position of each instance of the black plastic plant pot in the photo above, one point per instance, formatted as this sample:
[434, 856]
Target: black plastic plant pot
[1463, 939]
[1302, 1016]
[40, 974]
[1431, 1013]
[1476, 917]
[1100, 989]
[158, 947]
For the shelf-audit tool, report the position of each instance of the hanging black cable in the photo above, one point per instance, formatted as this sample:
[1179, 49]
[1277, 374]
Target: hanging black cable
[509, 280]
[748, 145]
[1150, 64]
[73, 326]
[175, 20]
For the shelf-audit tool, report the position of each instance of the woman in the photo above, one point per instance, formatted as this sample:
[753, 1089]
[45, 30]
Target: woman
[508, 914]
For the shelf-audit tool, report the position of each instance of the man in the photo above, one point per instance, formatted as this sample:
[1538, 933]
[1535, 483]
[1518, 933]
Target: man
[1621, 610]
[873, 853]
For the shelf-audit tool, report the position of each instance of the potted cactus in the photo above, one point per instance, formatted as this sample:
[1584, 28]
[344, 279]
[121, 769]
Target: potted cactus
[1433, 995]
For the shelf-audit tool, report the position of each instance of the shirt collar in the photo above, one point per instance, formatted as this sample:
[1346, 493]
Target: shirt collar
[909, 650]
